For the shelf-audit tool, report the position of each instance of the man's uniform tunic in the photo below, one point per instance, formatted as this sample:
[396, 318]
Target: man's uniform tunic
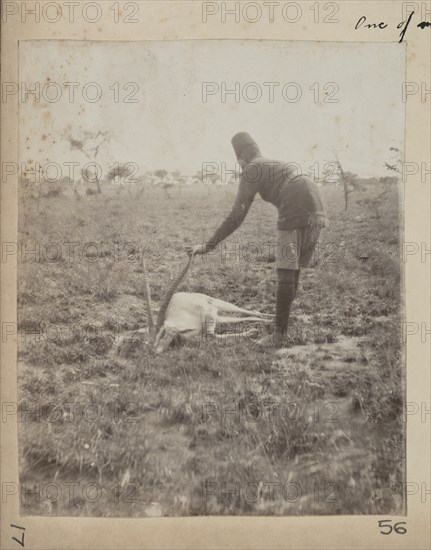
[301, 214]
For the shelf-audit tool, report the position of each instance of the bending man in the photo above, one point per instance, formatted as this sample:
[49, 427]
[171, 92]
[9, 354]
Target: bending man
[301, 216]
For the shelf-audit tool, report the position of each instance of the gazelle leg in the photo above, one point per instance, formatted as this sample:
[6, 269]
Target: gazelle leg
[236, 334]
[241, 319]
[231, 308]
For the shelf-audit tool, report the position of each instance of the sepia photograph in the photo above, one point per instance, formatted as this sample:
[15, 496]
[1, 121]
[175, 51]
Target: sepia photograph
[210, 278]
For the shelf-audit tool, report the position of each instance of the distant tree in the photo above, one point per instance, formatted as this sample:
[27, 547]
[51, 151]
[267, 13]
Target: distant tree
[165, 182]
[197, 177]
[161, 174]
[395, 164]
[330, 174]
[178, 180]
[234, 178]
[388, 181]
[119, 172]
[89, 146]
[141, 184]
[65, 180]
[212, 178]
[344, 181]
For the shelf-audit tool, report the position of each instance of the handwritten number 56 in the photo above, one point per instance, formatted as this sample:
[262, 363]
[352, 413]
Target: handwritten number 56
[387, 528]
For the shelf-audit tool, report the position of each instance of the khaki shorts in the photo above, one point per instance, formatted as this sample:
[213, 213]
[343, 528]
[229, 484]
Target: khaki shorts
[295, 247]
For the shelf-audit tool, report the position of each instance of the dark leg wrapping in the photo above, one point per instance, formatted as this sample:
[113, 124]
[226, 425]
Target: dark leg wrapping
[287, 285]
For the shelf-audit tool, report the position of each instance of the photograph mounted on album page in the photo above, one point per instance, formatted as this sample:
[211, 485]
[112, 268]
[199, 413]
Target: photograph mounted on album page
[215, 299]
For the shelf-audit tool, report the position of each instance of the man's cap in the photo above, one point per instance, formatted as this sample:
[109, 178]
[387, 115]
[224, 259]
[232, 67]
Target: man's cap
[241, 141]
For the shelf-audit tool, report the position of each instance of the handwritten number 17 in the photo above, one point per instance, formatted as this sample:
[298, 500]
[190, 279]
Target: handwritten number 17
[20, 542]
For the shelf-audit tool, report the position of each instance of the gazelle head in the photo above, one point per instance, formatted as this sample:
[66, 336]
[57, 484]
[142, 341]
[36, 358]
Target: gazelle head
[165, 337]
[160, 335]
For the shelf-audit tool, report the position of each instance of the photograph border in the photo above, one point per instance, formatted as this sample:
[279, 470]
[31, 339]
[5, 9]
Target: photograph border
[180, 20]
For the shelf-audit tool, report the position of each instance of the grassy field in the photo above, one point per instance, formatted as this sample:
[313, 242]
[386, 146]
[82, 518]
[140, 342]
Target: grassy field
[210, 427]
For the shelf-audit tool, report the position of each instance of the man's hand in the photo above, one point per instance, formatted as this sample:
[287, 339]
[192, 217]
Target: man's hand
[196, 249]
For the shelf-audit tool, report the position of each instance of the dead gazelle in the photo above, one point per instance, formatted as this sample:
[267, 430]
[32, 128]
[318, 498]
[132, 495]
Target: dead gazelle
[184, 315]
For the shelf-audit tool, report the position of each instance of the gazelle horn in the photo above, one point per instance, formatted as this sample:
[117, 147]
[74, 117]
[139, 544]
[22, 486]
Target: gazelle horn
[168, 296]
[147, 297]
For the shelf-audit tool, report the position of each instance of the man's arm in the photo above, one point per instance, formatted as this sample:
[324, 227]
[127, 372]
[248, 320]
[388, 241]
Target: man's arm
[245, 196]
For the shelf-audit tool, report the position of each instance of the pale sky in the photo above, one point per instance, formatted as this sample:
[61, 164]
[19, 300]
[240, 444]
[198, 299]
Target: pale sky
[171, 127]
